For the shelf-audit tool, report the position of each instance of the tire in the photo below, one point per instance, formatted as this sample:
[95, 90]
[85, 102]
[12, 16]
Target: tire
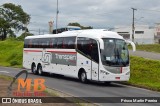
[83, 77]
[33, 68]
[39, 70]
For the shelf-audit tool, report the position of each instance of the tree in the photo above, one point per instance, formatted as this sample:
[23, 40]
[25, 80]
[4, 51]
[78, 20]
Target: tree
[23, 35]
[77, 24]
[12, 18]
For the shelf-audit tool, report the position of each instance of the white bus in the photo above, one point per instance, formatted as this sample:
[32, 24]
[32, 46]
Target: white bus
[97, 55]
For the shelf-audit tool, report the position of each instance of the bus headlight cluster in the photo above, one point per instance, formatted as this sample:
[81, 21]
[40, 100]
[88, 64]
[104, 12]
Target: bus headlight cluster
[104, 72]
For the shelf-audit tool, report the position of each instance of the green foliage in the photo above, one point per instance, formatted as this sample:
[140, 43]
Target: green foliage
[148, 47]
[145, 73]
[8, 78]
[11, 53]
[23, 35]
[14, 62]
[77, 24]
[12, 17]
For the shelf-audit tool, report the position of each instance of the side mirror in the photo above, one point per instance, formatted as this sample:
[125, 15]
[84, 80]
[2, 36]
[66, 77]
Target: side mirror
[132, 44]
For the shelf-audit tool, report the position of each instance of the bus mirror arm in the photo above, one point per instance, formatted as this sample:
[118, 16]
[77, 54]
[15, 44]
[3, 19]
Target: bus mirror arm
[132, 44]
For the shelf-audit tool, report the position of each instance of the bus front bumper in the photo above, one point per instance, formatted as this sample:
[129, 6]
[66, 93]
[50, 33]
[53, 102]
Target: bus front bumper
[115, 77]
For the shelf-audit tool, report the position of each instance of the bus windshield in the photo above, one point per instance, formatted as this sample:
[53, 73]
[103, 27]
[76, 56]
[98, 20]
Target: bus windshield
[115, 52]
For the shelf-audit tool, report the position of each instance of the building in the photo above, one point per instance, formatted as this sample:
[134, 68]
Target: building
[157, 33]
[143, 33]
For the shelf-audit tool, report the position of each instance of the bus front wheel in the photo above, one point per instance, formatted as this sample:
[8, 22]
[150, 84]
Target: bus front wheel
[83, 77]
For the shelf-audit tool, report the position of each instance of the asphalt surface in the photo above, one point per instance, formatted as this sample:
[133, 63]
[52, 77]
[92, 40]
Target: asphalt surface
[92, 89]
[149, 55]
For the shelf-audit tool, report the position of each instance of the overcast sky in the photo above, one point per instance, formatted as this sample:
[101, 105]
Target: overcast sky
[96, 13]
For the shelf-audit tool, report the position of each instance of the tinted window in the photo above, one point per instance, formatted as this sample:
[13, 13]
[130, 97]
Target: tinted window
[84, 46]
[69, 43]
[26, 43]
[65, 42]
[30, 43]
[53, 43]
[34, 43]
[94, 51]
[60, 43]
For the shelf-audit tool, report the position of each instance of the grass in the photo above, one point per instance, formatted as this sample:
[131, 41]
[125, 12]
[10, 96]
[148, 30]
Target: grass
[145, 73]
[11, 53]
[8, 78]
[148, 47]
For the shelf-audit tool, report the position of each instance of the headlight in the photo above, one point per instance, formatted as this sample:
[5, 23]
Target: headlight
[104, 72]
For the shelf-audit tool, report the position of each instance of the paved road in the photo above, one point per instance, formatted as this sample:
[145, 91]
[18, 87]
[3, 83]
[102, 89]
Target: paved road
[74, 87]
[149, 55]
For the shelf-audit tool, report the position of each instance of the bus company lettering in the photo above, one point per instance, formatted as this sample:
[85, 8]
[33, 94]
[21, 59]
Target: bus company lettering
[65, 57]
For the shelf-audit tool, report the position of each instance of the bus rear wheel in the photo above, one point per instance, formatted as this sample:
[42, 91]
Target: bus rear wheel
[83, 77]
[39, 69]
[33, 68]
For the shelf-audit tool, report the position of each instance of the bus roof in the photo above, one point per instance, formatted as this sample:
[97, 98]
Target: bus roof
[91, 33]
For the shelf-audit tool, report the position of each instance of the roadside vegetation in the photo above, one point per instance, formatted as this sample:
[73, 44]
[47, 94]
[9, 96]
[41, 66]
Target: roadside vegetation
[11, 53]
[144, 72]
[148, 47]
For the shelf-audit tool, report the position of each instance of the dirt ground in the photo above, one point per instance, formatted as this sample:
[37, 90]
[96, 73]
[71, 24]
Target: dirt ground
[4, 89]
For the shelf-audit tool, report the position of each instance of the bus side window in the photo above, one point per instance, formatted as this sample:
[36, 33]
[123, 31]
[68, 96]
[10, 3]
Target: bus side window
[35, 43]
[47, 43]
[71, 43]
[26, 43]
[40, 43]
[53, 43]
[83, 46]
[60, 43]
[30, 43]
[65, 43]
[43, 43]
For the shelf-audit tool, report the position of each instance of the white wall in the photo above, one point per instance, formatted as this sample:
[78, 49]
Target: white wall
[140, 38]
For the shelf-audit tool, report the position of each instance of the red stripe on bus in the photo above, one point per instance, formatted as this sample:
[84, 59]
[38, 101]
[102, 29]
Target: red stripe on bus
[33, 50]
[50, 51]
[62, 52]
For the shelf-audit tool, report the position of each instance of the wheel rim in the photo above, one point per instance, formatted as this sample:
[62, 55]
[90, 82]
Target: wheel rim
[34, 69]
[83, 77]
[40, 70]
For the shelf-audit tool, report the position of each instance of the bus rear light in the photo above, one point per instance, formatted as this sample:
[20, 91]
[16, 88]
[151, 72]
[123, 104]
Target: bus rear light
[121, 69]
[118, 78]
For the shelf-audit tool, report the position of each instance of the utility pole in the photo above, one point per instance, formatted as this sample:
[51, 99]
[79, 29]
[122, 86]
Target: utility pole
[133, 27]
[57, 18]
[39, 31]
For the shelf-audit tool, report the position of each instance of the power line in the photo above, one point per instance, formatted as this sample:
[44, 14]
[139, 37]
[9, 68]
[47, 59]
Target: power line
[148, 10]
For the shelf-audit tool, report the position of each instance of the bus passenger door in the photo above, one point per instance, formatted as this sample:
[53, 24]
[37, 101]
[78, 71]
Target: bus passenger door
[94, 61]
